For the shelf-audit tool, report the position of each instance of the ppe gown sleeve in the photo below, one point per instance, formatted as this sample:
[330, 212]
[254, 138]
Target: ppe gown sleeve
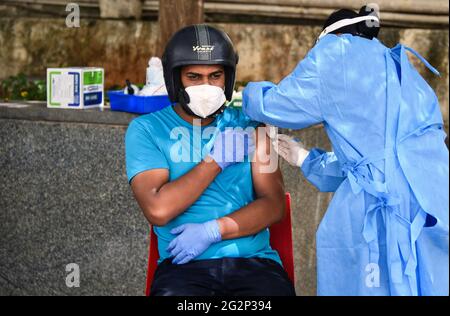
[323, 170]
[293, 103]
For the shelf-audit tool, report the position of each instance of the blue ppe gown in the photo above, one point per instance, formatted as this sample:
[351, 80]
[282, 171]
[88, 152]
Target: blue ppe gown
[386, 229]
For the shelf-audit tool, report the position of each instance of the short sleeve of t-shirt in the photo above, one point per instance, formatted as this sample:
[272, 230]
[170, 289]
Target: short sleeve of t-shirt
[141, 152]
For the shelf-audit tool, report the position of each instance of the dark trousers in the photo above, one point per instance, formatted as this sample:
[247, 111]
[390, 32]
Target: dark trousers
[222, 277]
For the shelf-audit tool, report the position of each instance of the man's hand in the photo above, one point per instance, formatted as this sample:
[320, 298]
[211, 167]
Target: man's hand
[193, 240]
[231, 146]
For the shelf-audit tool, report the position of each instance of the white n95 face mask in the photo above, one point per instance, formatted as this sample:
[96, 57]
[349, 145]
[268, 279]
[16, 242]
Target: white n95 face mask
[205, 99]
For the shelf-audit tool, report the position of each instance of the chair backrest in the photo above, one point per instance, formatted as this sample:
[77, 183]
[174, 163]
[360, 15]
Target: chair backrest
[280, 240]
[153, 257]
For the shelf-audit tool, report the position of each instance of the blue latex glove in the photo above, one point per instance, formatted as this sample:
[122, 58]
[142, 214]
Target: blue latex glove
[232, 146]
[193, 240]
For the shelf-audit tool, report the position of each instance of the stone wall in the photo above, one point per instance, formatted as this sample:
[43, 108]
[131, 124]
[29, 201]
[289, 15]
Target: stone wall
[65, 199]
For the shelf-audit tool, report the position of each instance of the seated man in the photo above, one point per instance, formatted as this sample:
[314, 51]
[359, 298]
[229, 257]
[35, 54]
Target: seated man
[209, 205]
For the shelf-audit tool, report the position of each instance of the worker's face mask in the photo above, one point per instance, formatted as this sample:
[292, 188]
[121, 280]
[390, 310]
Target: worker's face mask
[205, 99]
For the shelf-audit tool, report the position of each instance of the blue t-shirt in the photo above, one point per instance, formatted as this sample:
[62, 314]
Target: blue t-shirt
[164, 140]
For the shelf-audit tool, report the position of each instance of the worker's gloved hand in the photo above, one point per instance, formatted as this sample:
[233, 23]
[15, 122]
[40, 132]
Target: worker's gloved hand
[271, 131]
[232, 146]
[193, 240]
[290, 149]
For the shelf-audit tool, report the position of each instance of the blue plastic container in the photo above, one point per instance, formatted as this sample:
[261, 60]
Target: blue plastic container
[120, 101]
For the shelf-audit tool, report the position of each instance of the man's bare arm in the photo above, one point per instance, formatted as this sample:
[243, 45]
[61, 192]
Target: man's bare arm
[269, 205]
[161, 200]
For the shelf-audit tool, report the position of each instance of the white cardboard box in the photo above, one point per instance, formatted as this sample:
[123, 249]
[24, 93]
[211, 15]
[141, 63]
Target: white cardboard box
[75, 88]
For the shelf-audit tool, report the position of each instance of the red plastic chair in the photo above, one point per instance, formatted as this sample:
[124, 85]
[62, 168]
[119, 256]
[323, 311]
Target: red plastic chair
[280, 240]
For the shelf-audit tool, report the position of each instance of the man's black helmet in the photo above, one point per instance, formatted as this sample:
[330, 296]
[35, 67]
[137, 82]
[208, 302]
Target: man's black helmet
[198, 44]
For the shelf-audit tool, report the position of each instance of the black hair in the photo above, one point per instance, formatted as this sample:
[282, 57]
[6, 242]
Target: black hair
[341, 15]
[363, 29]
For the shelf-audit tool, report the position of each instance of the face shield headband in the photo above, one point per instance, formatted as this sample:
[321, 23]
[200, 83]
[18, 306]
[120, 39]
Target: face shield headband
[345, 22]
